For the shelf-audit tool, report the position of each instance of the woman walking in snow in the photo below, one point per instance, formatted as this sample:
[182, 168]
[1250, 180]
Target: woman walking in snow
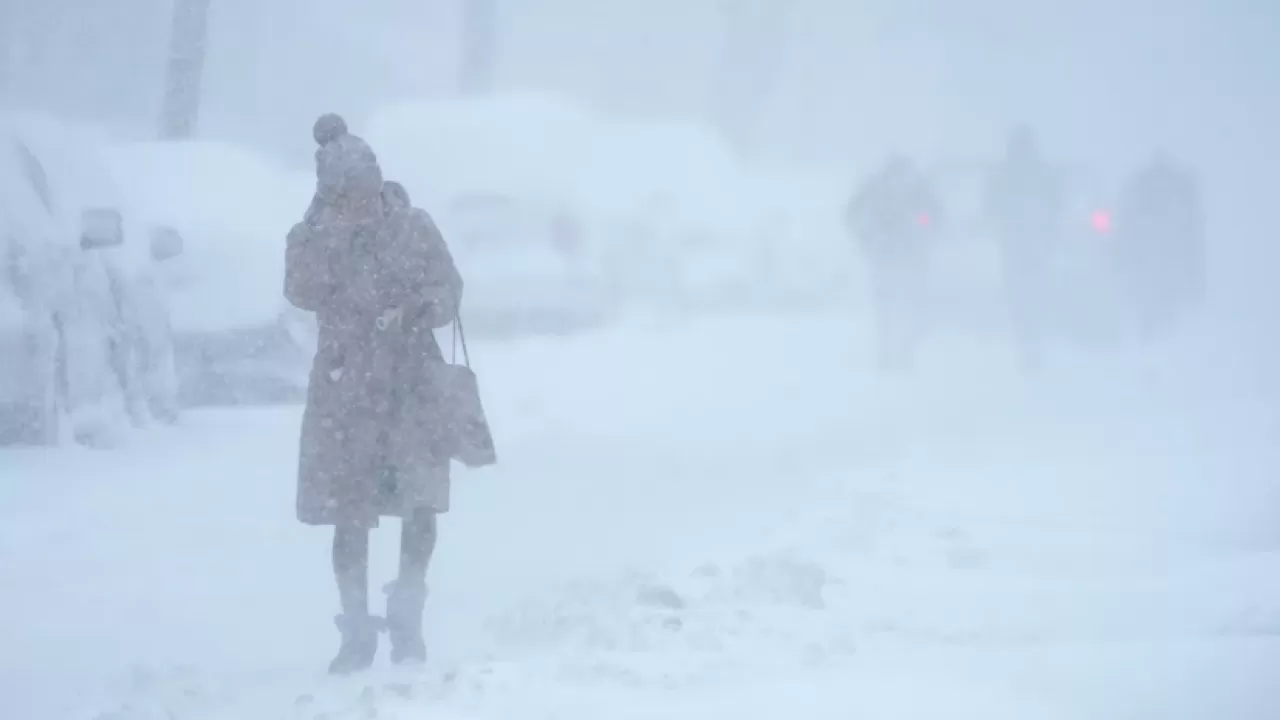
[380, 278]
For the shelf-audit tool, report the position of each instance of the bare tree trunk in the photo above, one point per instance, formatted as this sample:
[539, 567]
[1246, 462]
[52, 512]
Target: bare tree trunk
[479, 47]
[187, 48]
[753, 51]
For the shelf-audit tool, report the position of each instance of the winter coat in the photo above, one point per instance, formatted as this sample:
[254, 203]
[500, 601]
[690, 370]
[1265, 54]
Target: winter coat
[379, 280]
[894, 216]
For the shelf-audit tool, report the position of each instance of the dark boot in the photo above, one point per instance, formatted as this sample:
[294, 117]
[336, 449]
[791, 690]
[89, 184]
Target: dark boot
[359, 643]
[405, 603]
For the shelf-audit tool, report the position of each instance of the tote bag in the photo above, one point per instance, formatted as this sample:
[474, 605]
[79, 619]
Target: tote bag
[469, 438]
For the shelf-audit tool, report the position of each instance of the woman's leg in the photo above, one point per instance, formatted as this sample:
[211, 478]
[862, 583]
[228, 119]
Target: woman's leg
[409, 595]
[359, 631]
[351, 568]
[417, 542]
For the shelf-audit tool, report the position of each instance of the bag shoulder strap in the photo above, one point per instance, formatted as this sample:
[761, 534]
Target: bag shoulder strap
[459, 337]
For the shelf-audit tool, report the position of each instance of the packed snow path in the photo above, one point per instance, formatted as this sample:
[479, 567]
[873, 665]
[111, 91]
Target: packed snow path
[724, 519]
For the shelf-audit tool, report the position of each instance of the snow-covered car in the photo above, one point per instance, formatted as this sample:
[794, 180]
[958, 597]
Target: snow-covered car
[685, 225]
[37, 277]
[235, 339]
[665, 216]
[66, 303]
[800, 253]
[501, 177]
[697, 238]
[526, 265]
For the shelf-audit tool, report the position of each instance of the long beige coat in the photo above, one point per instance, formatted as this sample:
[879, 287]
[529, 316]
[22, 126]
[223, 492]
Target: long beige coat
[372, 431]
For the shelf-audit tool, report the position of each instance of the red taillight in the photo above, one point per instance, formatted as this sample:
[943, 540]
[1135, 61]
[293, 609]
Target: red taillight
[1101, 221]
[923, 220]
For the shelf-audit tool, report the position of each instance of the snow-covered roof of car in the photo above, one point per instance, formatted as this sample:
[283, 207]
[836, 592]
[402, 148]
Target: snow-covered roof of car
[32, 213]
[233, 209]
[553, 151]
[517, 144]
[63, 163]
[50, 171]
[70, 155]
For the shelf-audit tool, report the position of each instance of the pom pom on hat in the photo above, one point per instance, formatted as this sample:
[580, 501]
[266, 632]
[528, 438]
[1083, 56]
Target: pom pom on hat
[329, 127]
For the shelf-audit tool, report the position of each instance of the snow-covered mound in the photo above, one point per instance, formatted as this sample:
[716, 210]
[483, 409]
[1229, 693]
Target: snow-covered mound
[693, 542]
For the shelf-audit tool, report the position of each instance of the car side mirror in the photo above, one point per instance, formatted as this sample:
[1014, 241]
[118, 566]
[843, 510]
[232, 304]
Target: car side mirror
[101, 228]
[166, 244]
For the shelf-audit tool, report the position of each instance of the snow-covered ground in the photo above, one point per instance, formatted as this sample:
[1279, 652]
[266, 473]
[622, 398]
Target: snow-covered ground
[727, 518]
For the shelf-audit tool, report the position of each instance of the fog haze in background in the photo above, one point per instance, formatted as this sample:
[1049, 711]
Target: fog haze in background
[1104, 80]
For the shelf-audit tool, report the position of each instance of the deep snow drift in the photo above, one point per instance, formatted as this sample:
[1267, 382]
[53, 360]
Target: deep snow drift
[723, 518]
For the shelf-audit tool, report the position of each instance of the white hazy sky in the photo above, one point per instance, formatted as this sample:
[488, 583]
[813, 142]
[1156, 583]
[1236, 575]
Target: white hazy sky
[1102, 77]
